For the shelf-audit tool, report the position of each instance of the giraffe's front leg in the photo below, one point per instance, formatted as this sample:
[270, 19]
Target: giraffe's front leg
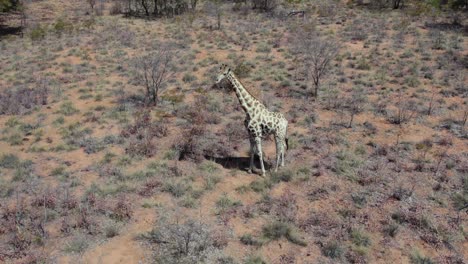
[252, 154]
[258, 143]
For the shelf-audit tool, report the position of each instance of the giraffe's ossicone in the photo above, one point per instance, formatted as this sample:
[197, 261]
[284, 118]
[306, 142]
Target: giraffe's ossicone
[259, 121]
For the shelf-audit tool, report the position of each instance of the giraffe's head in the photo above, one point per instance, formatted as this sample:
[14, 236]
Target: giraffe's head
[224, 70]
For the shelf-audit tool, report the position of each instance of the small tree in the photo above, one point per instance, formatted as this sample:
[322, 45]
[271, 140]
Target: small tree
[355, 103]
[405, 110]
[91, 3]
[153, 71]
[316, 53]
[320, 53]
[214, 8]
[7, 5]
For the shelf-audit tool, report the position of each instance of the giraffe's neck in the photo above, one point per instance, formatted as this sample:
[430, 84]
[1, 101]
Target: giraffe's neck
[246, 100]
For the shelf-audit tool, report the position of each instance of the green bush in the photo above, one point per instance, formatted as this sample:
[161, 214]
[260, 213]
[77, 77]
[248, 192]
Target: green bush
[77, 245]
[8, 5]
[9, 161]
[333, 250]
[254, 260]
[417, 258]
[242, 70]
[360, 238]
[67, 108]
[249, 240]
[38, 32]
[277, 230]
[61, 26]
[188, 78]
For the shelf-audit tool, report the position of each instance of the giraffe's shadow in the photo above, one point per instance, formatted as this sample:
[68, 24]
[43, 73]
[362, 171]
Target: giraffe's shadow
[241, 163]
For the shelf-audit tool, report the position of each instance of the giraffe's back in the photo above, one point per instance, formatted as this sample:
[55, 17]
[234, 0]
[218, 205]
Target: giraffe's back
[265, 123]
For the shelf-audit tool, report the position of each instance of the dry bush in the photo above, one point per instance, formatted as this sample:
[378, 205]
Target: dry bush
[153, 71]
[404, 111]
[20, 226]
[149, 188]
[196, 142]
[22, 100]
[142, 133]
[185, 241]
[316, 53]
[122, 210]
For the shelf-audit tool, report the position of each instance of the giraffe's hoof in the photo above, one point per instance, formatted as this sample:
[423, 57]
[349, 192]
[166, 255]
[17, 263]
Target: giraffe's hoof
[249, 171]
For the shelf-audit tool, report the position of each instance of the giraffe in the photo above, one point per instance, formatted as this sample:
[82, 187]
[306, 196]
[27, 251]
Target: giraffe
[259, 121]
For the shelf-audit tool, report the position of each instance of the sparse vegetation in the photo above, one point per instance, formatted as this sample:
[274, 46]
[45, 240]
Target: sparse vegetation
[111, 125]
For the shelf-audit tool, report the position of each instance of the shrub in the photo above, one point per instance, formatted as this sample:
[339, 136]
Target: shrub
[116, 8]
[243, 70]
[23, 171]
[68, 109]
[248, 239]
[417, 258]
[196, 143]
[282, 175]
[111, 230]
[225, 203]
[188, 78]
[122, 209]
[360, 238]
[333, 250]
[141, 134]
[178, 189]
[61, 26]
[9, 161]
[254, 260]
[38, 32]
[263, 47]
[184, 242]
[78, 245]
[391, 229]
[277, 230]
[22, 100]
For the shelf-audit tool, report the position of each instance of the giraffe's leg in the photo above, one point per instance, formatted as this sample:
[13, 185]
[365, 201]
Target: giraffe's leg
[279, 150]
[283, 149]
[282, 156]
[252, 154]
[258, 142]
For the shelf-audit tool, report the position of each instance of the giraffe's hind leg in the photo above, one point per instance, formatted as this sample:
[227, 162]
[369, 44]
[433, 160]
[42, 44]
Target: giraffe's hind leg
[279, 151]
[282, 156]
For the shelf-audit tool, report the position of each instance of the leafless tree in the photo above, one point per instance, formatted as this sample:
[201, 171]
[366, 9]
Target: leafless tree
[355, 103]
[404, 112]
[154, 71]
[215, 9]
[316, 53]
[431, 106]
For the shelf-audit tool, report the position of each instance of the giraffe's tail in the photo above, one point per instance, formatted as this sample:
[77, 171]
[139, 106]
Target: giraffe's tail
[287, 143]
